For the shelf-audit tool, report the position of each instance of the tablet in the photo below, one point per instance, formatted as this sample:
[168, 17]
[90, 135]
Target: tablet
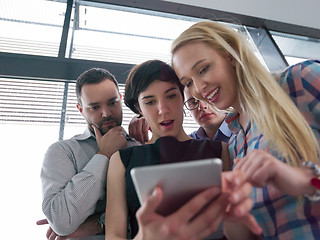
[179, 181]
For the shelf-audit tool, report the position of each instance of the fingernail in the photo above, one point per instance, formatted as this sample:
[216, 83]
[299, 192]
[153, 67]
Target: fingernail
[154, 193]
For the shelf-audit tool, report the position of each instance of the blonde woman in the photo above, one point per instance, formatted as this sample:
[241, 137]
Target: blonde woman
[273, 136]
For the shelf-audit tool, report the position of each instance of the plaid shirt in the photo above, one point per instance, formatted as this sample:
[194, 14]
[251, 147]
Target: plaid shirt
[281, 216]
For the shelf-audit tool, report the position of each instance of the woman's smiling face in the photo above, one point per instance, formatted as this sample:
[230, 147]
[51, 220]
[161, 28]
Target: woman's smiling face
[162, 106]
[211, 76]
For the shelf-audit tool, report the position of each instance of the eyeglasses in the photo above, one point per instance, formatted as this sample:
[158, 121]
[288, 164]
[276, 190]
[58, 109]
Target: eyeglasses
[192, 104]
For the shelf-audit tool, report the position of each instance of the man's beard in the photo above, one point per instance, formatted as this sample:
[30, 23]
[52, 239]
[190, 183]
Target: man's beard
[104, 129]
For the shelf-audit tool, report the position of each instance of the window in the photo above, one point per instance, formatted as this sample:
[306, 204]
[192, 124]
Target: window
[31, 27]
[297, 48]
[125, 35]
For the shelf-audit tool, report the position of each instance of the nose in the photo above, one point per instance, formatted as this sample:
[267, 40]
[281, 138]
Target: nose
[199, 85]
[202, 106]
[163, 107]
[105, 112]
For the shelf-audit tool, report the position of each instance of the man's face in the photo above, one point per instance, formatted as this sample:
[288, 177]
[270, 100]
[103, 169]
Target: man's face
[101, 105]
[205, 116]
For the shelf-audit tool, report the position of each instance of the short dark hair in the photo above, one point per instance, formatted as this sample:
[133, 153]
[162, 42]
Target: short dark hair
[142, 75]
[93, 76]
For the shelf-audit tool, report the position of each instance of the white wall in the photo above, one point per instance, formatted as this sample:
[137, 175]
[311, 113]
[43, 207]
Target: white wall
[298, 12]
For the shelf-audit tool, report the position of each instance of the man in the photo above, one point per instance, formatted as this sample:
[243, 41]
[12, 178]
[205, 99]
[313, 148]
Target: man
[74, 171]
[212, 124]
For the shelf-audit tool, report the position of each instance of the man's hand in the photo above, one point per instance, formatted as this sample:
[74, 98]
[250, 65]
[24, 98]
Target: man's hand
[138, 129]
[88, 228]
[110, 142]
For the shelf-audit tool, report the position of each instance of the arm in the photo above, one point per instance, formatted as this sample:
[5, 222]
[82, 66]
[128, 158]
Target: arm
[70, 197]
[262, 168]
[88, 228]
[70, 194]
[116, 209]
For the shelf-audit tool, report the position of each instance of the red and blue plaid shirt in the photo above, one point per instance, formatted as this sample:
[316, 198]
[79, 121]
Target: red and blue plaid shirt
[282, 216]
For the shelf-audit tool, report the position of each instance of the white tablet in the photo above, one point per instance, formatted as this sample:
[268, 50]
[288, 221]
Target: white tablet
[179, 181]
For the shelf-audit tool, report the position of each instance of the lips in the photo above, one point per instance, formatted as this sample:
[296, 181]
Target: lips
[205, 115]
[108, 123]
[212, 96]
[167, 124]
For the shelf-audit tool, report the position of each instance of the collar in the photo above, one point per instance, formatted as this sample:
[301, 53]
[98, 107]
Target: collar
[201, 133]
[233, 122]
[88, 134]
[84, 136]
[225, 129]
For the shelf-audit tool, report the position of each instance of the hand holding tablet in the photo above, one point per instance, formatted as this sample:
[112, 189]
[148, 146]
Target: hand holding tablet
[179, 181]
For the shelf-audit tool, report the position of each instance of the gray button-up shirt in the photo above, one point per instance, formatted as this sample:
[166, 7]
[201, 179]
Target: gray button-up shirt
[74, 182]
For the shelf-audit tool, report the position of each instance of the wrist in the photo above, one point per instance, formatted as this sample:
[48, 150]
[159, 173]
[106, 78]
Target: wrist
[313, 189]
[104, 154]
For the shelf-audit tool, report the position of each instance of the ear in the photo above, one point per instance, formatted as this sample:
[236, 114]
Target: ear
[80, 108]
[231, 59]
[138, 108]
[120, 96]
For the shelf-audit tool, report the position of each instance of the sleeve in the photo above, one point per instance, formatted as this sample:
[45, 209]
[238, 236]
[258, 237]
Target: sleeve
[125, 155]
[69, 198]
[302, 83]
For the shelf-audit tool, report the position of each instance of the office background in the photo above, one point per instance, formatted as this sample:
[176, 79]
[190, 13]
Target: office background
[46, 44]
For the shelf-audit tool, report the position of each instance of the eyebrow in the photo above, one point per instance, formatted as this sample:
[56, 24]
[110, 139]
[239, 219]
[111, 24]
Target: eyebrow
[109, 100]
[150, 96]
[194, 66]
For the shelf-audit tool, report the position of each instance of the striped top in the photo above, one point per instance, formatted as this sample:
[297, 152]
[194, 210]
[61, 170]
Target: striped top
[282, 216]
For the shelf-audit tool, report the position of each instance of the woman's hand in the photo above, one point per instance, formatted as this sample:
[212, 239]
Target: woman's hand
[233, 203]
[239, 202]
[261, 169]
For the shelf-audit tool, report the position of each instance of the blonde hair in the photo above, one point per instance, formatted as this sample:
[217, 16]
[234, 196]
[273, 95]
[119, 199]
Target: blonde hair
[260, 95]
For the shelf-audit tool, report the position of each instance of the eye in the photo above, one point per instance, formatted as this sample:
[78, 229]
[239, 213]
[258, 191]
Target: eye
[93, 108]
[188, 84]
[172, 96]
[150, 102]
[203, 70]
[113, 102]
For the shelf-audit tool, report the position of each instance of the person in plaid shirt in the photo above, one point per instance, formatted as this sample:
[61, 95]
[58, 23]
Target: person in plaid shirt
[274, 125]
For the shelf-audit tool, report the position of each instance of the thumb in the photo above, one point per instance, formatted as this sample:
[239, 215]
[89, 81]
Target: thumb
[149, 207]
[42, 222]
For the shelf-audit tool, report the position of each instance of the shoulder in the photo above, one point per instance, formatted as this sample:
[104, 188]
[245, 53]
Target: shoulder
[62, 145]
[307, 71]
[129, 154]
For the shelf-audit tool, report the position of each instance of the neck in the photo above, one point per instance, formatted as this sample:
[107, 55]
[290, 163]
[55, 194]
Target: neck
[211, 131]
[243, 115]
[181, 136]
